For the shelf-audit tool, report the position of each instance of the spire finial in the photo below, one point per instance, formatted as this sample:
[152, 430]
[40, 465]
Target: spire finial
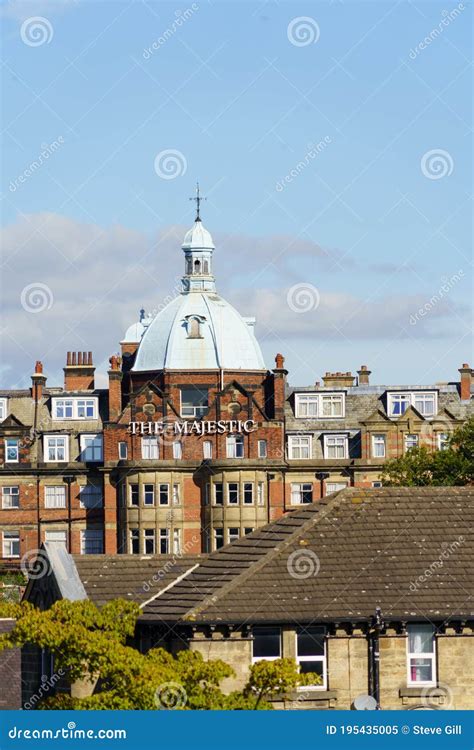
[198, 200]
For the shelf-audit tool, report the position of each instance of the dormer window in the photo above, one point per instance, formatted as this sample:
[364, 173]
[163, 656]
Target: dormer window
[425, 402]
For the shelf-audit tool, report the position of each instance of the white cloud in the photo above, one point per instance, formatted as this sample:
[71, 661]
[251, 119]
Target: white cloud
[100, 278]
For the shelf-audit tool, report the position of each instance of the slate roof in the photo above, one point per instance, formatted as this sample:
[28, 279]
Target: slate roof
[337, 560]
[131, 577]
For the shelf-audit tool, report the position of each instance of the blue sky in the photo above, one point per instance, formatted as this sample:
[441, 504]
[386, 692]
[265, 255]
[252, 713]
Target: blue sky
[377, 219]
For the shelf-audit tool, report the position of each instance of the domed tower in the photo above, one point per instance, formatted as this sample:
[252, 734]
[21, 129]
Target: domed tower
[203, 419]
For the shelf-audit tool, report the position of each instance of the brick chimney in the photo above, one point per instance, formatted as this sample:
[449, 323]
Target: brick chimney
[338, 379]
[363, 375]
[279, 382]
[79, 372]
[38, 382]
[115, 388]
[466, 380]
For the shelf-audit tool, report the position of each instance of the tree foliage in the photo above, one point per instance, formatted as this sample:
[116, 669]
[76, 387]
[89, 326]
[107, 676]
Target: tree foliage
[92, 645]
[420, 467]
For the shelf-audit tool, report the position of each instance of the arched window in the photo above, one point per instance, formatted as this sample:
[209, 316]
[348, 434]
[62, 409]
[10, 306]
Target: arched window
[205, 267]
[189, 266]
[235, 446]
[207, 449]
[197, 266]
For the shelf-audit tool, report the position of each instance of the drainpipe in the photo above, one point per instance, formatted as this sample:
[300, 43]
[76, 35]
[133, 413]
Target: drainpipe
[374, 654]
[322, 476]
[68, 478]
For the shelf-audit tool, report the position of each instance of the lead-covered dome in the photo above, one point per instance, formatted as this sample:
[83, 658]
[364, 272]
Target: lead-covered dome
[198, 330]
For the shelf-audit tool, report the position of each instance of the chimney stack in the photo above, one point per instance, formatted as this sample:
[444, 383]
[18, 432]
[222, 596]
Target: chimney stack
[38, 382]
[115, 388]
[338, 379]
[363, 375]
[79, 372]
[465, 385]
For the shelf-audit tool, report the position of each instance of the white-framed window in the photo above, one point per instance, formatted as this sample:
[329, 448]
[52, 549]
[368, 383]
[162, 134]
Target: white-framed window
[207, 449]
[443, 441]
[164, 494]
[134, 495]
[411, 441]
[233, 493]
[299, 446]
[122, 451]
[134, 541]
[218, 493]
[235, 446]
[336, 446]
[194, 402]
[56, 537]
[91, 448]
[177, 450]
[11, 544]
[12, 451]
[56, 448]
[248, 493]
[425, 402]
[164, 541]
[176, 494]
[335, 487]
[92, 542]
[233, 533]
[266, 643]
[149, 494]
[3, 409]
[261, 493]
[262, 449]
[177, 541]
[75, 408]
[54, 496]
[320, 405]
[311, 653]
[90, 496]
[218, 538]
[421, 654]
[378, 446]
[10, 497]
[377, 484]
[149, 541]
[301, 493]
[150, 447]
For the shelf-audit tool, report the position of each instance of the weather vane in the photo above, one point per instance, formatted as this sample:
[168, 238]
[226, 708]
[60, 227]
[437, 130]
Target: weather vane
[198, 200]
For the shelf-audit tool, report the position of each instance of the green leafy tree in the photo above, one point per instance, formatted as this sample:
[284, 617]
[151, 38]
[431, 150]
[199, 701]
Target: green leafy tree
[420, 467]
[92, 645]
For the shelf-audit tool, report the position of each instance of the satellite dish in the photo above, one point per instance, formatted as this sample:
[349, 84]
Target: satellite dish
[365, 703]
